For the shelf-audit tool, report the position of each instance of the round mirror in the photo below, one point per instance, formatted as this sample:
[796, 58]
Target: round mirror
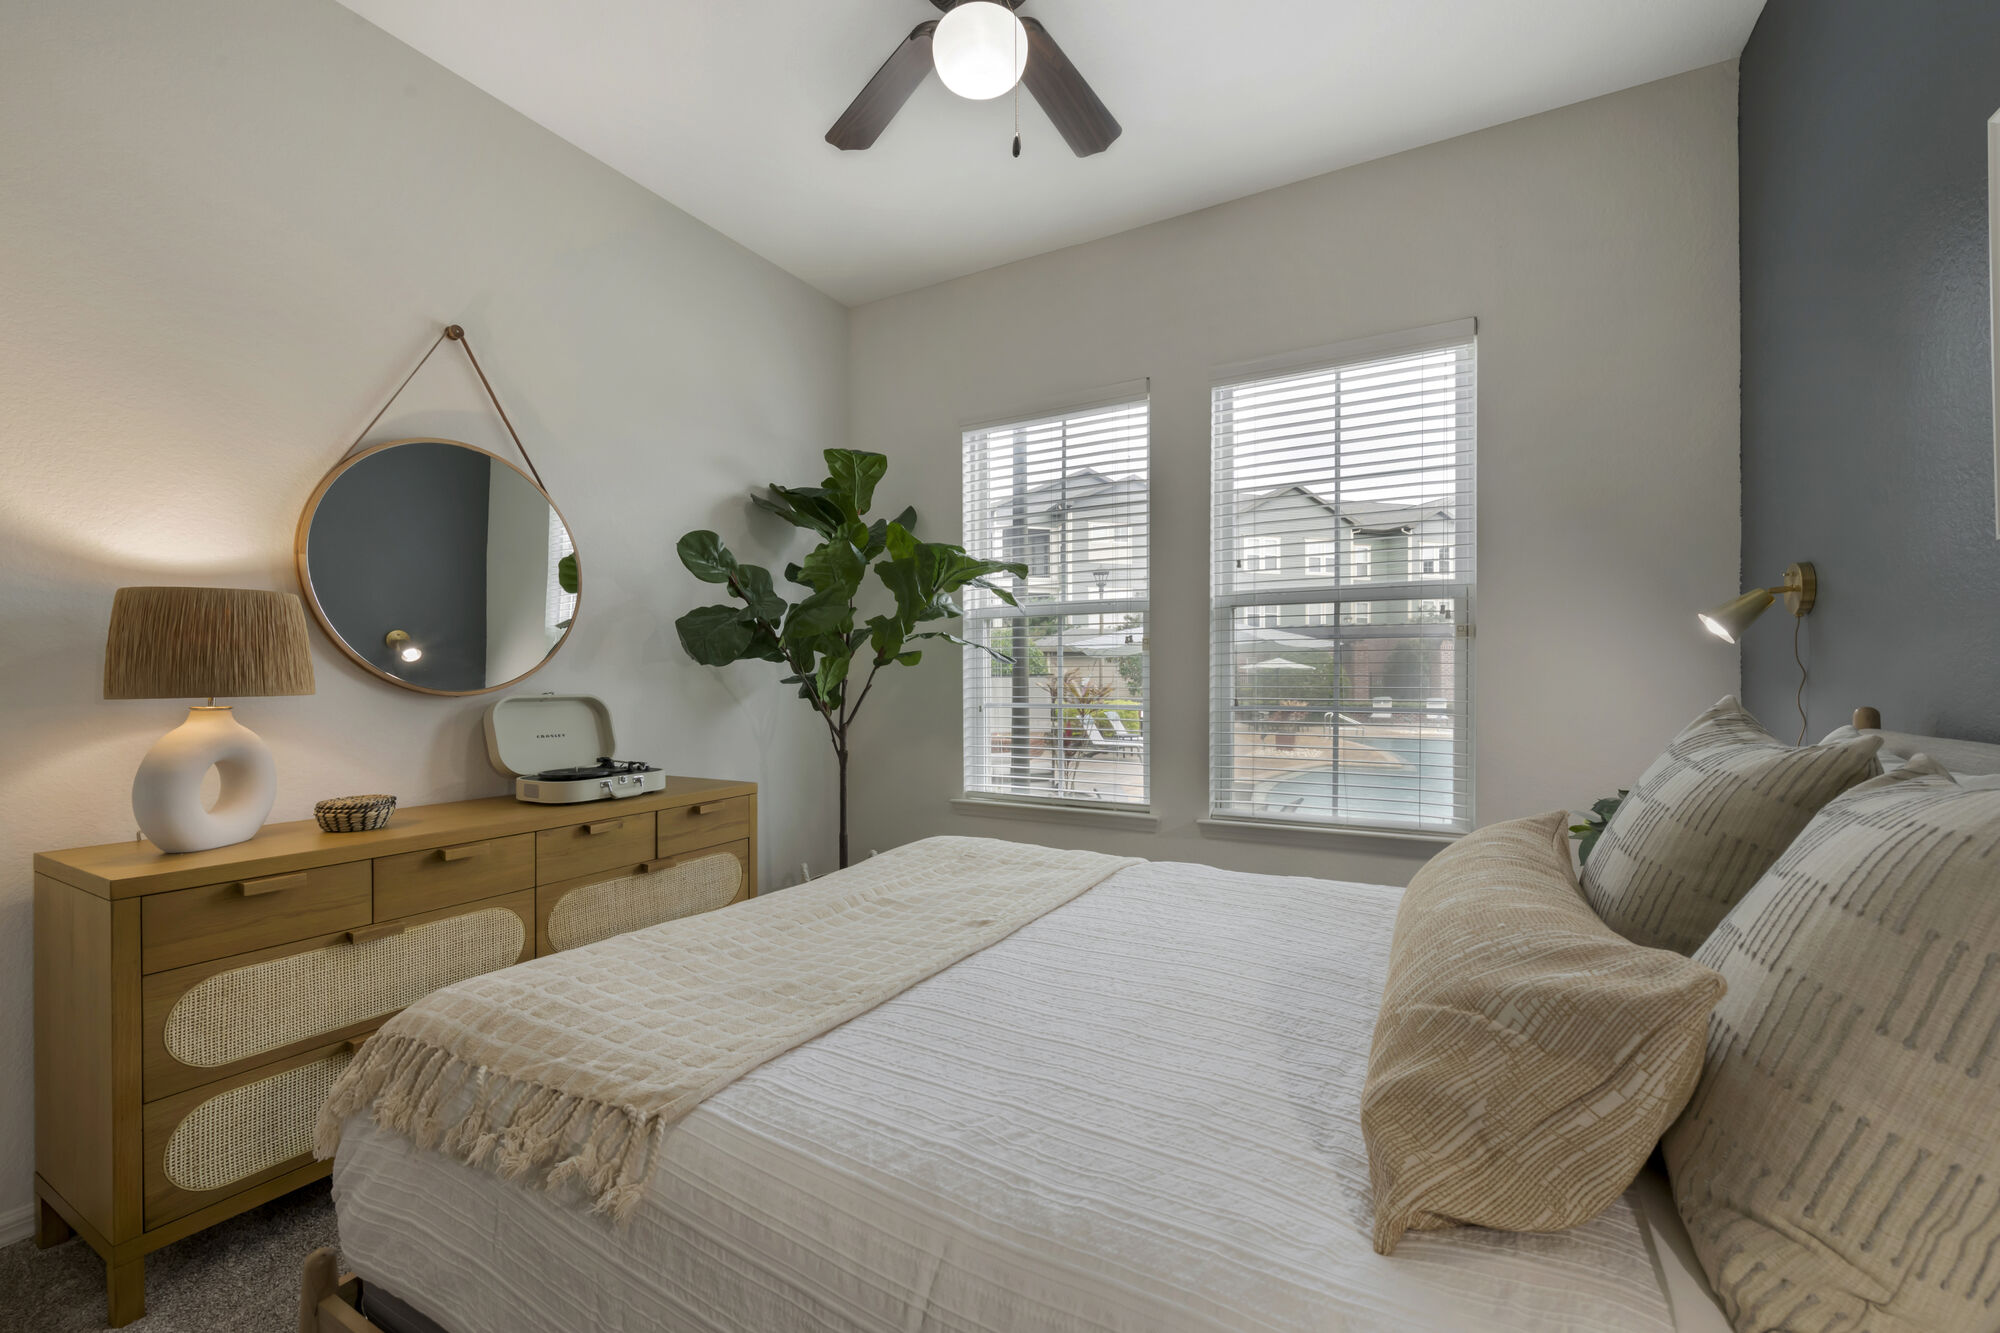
[438, 566]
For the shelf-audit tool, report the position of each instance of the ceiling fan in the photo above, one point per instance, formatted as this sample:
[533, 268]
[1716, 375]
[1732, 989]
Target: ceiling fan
[981, 49]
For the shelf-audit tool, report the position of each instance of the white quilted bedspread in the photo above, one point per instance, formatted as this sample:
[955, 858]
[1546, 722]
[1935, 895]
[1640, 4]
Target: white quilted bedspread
[1137, 1113]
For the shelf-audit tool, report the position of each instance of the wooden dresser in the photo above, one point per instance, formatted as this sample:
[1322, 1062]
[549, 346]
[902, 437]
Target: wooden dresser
[192, 1010]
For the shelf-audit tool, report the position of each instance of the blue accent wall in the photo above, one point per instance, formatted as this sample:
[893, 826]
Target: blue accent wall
[1867, 369]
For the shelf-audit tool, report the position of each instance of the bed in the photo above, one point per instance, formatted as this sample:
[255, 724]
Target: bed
[1137, 1112]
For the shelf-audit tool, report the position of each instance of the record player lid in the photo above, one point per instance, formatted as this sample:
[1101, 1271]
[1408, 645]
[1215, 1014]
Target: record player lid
[533, 733]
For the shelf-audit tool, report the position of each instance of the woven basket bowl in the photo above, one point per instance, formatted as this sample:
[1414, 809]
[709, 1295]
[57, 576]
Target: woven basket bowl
[354, 814]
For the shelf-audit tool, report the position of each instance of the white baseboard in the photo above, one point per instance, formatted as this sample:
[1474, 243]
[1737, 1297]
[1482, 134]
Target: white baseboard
[17, 1223]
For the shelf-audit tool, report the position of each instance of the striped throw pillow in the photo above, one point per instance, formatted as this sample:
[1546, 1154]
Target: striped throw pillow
[1839, 1165]
[1526, 1058]
[1707, 819]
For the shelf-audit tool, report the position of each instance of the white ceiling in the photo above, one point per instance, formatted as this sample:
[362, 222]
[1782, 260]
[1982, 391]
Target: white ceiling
[719, 106]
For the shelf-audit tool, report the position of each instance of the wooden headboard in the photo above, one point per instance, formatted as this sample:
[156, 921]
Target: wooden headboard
[1976, 757]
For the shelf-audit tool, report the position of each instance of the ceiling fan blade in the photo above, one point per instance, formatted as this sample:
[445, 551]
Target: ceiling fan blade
[870, 113]
[1079, 115]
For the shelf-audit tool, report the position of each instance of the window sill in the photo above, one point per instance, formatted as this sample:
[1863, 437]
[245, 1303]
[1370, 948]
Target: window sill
[1268, 830]
[1136, 821]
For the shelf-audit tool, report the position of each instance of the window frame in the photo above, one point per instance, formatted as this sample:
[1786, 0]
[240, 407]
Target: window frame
[1417, 589]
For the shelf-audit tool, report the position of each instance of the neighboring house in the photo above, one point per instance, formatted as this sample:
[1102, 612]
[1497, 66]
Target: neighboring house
[1294, 535]
[1075, 537]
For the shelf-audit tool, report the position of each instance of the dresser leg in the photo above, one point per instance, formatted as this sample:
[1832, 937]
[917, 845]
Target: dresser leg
[125, 1292]
[50, 1229]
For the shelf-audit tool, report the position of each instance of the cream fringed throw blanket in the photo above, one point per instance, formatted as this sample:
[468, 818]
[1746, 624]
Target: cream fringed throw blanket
[572, 1067]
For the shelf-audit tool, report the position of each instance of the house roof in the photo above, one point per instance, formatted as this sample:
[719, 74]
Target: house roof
[1368, 520]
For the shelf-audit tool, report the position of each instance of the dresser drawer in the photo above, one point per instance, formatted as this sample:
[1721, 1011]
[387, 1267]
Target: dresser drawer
[608, 842]
[583, 911]
[688, 828]
[210, 1142]
[217, 920]
[446, 876]
[213, 1019]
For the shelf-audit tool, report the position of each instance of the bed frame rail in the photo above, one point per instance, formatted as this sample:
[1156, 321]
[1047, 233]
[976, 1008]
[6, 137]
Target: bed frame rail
[329, 1299]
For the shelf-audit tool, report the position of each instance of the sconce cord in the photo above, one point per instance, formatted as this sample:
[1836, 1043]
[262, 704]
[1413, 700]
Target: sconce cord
[1798, 623]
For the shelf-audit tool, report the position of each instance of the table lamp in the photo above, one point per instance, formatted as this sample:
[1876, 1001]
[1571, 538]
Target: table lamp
[193, 643]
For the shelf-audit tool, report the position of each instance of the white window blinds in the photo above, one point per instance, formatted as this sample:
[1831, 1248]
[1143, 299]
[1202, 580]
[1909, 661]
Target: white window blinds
[1066, 718]
[1342, 587]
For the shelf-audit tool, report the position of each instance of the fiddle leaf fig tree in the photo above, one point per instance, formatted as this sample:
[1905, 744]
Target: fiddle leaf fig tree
[831, 651]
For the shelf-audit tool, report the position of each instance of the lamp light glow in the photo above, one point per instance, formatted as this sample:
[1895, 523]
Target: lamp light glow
[399, 641]
[1728, 621]
[980, 49]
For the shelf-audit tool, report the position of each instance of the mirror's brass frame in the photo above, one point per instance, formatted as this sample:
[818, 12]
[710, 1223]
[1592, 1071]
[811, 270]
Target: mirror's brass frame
[299, 543]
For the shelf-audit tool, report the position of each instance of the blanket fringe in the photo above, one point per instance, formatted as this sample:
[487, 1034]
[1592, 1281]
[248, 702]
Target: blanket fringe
[517, 1130]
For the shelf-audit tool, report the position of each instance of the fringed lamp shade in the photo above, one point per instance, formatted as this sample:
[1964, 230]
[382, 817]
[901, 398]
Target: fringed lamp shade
[191, 643]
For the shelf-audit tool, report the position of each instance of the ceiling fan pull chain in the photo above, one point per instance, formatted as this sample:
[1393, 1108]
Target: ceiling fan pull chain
[1017, 92]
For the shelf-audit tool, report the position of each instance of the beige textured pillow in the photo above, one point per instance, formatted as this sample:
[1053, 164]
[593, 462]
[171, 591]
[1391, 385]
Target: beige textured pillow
[1839, 1166]
[1526, 1059]
[1706, 820]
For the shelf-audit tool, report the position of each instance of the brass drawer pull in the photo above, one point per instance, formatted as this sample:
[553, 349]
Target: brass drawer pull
[467, 852]
[604, 826]
[366, 934]
[274, 884]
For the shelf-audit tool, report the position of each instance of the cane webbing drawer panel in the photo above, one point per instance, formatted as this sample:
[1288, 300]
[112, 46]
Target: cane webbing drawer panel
[690, 828]
[125, 935]
[202, 1143]
[682, 886]
[217, 920]
[608, 840]
[206, 1021]
[446, 876]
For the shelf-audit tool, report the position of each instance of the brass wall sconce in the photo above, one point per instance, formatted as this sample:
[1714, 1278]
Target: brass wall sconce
[1800, 590]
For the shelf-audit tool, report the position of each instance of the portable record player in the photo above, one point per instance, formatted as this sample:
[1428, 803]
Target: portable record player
[558, 748]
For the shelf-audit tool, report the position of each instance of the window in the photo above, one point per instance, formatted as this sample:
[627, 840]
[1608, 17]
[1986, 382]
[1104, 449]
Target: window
[1260, 555]
[1339, 683]
[559, 606]
[1064, 718]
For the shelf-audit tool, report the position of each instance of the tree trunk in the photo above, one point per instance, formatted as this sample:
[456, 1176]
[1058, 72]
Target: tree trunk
[842, 752]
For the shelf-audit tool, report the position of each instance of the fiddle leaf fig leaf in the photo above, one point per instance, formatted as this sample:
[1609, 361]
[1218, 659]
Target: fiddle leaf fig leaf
[753, 584]
[832, 672]
[566, 573]
[803, 507]
[878, 532]
[706, 557]
[764, 645]
[852, 476]
[834, 566]
[819, 615]
[901, 579]
[899, 542]
[993, 653]
[714, 635]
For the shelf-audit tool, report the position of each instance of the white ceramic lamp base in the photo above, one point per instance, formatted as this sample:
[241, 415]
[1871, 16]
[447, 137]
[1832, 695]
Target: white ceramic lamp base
[166, 795]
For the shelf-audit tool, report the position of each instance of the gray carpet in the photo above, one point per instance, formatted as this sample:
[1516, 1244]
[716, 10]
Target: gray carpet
[239, 1277]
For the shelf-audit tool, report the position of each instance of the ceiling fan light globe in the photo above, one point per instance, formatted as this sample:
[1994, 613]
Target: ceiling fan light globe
[980, 49]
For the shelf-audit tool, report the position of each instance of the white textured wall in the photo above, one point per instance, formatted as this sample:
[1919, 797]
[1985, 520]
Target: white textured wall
[1597, 247]
[227, 228]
